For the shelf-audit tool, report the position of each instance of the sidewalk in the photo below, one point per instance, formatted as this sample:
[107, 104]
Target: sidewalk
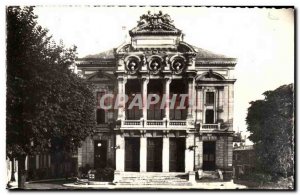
[199, 185]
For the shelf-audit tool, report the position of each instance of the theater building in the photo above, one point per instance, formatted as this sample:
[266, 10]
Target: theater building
[155, 138]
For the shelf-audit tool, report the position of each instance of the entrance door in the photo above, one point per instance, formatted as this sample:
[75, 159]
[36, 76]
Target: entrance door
[100, 153]
[132, 154]
[154, 154]
[177, 154]
[209, 155]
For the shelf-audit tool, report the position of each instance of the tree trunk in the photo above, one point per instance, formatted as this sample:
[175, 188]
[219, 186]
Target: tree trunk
[12, 178]
[21, 172]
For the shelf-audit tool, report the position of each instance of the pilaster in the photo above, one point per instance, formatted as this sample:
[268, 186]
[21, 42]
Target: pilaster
[189, 153]
[121, 97]
[167, 83]
[120, 152]
[145, 82]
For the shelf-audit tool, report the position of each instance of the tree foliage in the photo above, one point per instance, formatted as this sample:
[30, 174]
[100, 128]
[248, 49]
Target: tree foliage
[271, 124]
[48, 106]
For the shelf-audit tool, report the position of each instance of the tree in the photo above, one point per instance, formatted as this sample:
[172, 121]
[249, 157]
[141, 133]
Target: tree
[271, 123]
[48, 106]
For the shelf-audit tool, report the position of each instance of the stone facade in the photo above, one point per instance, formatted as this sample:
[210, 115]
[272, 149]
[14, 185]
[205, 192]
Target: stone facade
[157, 60]
[243, 161]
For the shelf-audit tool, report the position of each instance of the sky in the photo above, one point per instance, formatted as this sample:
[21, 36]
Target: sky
[261, 39]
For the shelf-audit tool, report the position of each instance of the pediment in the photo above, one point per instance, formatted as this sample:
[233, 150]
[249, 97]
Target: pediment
[100, 77]
[210, 76]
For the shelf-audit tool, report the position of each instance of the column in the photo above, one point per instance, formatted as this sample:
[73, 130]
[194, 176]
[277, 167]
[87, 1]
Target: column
[200, 150]
[120, 152]
[166, 154]
[191, 97]
[167, 97]
[145, 82]
[189, 154]
[143, 154]
[121, 98]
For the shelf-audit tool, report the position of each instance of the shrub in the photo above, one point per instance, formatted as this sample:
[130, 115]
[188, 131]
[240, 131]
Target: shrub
[104, 174]
[257, 177]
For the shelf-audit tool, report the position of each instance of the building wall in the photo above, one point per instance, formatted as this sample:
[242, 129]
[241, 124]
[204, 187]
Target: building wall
[243, 161]
[86, 153]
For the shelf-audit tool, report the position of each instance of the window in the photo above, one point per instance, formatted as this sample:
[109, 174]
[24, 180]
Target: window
[103, 115]
[100, 116]
[178, 112]
[134, 113]
[100, 113]
[210, 97]
[209, 116]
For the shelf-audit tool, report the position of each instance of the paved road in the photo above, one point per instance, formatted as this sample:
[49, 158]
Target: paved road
[46, 186]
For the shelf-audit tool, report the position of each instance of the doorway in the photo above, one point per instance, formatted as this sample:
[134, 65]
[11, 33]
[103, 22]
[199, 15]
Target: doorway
[209, 116]
[154, 154]
[100, 153]
[132, 154]
[177, 154]
[209, 156]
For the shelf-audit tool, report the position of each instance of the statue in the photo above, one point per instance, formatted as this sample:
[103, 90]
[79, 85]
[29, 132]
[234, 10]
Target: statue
[155, 20]
[177, 66]
[144, 61]
[154, 66]
[167, 19]
[132, 66]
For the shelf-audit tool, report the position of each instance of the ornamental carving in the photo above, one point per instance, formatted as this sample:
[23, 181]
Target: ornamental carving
[155, 65]
[155, 21]
[132, 65]
[178, 65]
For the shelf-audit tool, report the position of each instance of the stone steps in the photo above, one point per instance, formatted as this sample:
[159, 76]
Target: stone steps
[153, 178]
[210, 176]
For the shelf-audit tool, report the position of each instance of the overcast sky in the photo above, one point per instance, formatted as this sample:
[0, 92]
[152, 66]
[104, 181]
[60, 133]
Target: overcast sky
[261, 39]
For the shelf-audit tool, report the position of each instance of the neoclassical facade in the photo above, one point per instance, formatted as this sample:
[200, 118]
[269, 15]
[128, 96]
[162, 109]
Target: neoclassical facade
[155, 138]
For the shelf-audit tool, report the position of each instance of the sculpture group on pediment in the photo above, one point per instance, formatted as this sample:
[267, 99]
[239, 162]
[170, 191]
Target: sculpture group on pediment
[155, 20]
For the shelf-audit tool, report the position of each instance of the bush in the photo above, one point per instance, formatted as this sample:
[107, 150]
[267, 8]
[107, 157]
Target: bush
[83, 171]
[257, 177]
[106, 174]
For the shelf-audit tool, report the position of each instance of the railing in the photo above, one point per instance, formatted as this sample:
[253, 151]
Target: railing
[210, 126]
[132, 123]
[166, 124]
[153, 123]
[177, 123]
